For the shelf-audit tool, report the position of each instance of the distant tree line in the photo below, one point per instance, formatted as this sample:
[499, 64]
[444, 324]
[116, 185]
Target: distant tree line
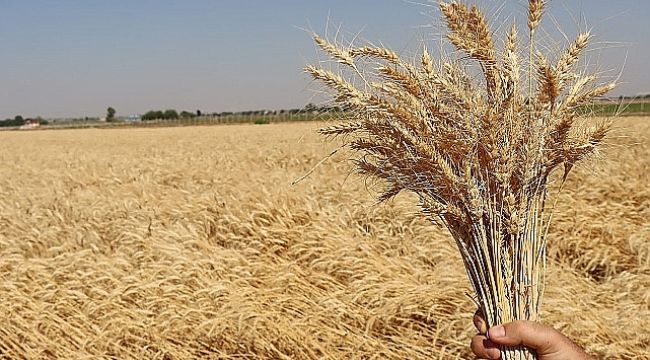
[169, 114]
[19, 121]
[309, 108]
[637, 97]
[172, 114]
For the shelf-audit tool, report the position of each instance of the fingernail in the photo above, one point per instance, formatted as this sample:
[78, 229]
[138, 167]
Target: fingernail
[497, 332]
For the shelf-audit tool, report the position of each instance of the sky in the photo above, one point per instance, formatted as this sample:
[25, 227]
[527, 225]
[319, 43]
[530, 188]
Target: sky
[74, 58]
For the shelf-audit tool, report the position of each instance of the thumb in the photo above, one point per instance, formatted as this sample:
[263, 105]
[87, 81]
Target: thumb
[542, 339]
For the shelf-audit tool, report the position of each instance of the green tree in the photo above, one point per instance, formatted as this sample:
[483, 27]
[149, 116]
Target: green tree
[311, 107]
[187, 115]
[110, 114]
[152, 115]
[170, 114]
[16, 121]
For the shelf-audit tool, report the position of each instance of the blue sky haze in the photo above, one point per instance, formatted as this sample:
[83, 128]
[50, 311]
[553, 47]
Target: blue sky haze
[73, 58]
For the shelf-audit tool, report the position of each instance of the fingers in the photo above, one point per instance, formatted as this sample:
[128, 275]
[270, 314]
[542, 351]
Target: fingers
[484, 348]
[481, 346]
[480, 323]
[526, 333]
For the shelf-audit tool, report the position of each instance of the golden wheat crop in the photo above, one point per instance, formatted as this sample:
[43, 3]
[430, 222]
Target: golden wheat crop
[479, 152]
[191, 242]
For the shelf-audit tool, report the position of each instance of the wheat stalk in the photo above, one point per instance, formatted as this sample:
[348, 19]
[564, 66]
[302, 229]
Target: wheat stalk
[477, 153]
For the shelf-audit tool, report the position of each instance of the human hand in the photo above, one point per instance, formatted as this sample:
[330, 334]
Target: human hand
[548, 343]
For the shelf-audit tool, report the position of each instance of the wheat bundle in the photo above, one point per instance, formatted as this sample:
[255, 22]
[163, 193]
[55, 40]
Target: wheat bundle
[478, 151]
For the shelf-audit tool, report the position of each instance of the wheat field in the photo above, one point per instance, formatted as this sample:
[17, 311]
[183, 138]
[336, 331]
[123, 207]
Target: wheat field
[192, 243]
